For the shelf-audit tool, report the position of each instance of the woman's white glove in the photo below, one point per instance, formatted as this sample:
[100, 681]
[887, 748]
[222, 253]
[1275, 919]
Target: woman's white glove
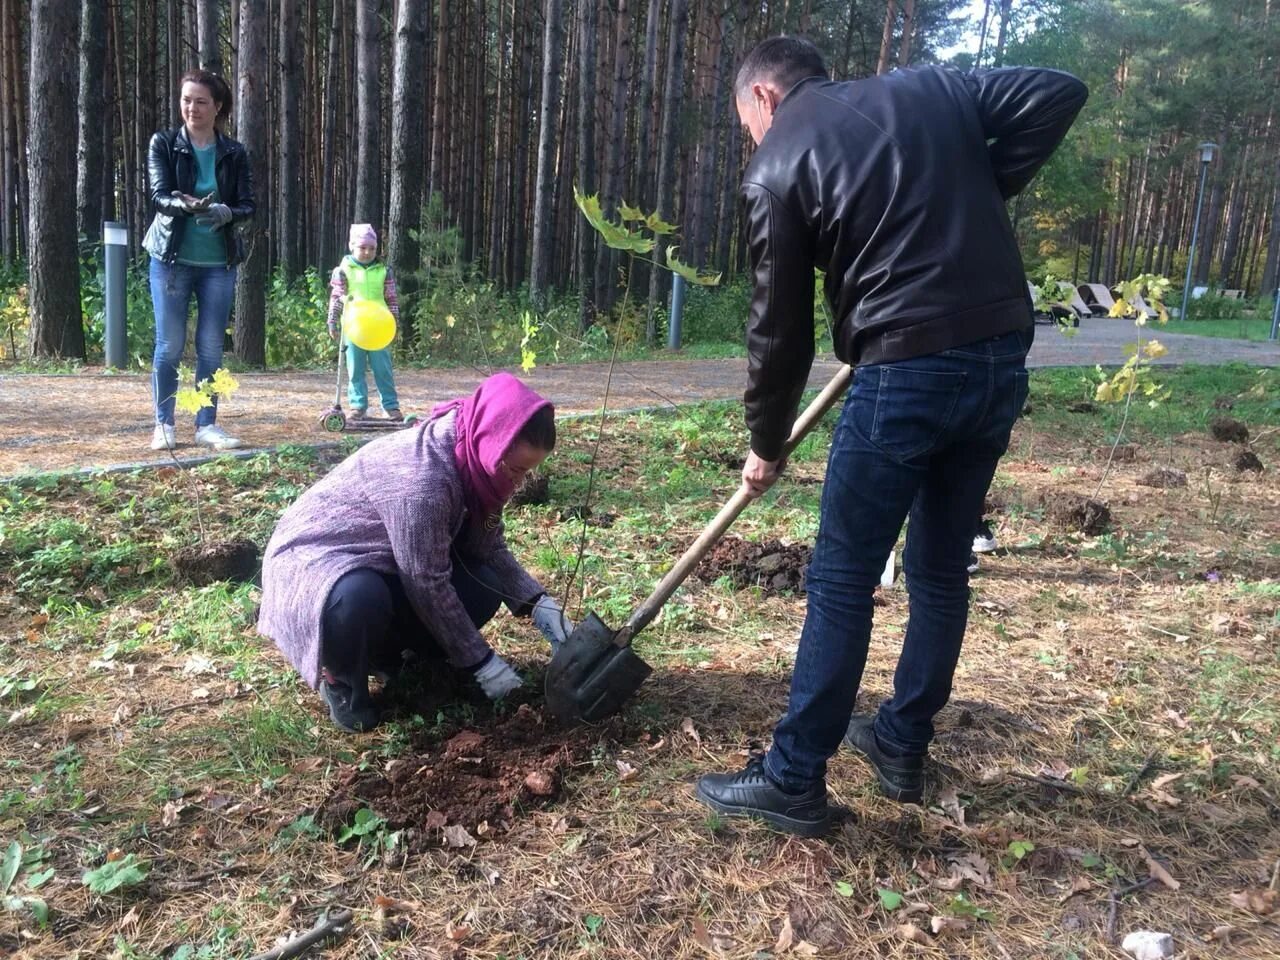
[497, 679]
[549, 617]
[217, 216]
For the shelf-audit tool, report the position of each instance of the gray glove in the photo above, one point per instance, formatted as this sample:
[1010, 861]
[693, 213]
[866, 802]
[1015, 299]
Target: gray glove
[497, 679]
[216, 217]
[549, 617]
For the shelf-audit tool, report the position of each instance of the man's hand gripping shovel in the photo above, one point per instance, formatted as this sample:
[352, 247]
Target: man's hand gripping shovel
[595, 671]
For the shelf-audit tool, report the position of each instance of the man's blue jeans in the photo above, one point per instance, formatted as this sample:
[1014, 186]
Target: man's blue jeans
[379, 361]
[172, 286]
[920, 438]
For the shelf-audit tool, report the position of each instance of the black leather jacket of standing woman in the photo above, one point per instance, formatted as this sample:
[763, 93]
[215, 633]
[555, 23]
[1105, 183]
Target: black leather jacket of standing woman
[171, 166]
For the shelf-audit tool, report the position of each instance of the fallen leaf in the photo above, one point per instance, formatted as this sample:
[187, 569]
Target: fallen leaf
[491, 874]
[172, 812]
[973, 867]
[129, 922]
[1056, 769]
[909, 931]
[483, 829]
[805, 949]
[662, 742]
[949, 883]
[456, 835]
[457, 933]
[1255, 900]
[285, 913]
[1165, 780]
[786, 936]
[701, 936]
[949, 800]
[626, 771]
[943, 926]
[435, 820]
[1078, 885]
[1245, 783]
[122, 713]
[203, 836]
[392, 905]
[200, 693]
[309, 765]
[198, 664]
[1178, 719]
[1158, 870]
[1221, 934]
[690, 731]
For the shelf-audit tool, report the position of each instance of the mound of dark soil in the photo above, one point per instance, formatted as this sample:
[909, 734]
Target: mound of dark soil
[1083, 514]
[1163, 477]
[1125, 453]
[535, 490]
[1082, 406]
[204, 563]
[1229, 429]
[1247, 460]
[772, 566]
[477, 776]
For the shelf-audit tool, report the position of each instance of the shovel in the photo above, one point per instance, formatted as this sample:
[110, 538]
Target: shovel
[595, 671]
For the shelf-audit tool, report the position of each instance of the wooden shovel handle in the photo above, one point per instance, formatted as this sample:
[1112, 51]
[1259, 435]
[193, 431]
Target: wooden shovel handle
[714, 530]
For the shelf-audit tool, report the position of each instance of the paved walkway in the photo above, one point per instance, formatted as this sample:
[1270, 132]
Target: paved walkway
[92, 419]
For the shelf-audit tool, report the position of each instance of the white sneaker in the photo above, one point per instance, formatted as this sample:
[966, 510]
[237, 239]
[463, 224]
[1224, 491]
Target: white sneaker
[214, 436]
[164, 437]
[984, 540]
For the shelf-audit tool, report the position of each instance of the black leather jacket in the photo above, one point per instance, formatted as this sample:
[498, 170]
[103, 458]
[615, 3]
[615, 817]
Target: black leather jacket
[172, 166]
[895, 187]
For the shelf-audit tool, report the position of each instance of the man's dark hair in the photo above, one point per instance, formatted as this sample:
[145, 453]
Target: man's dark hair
[540, 429]
[780, 61]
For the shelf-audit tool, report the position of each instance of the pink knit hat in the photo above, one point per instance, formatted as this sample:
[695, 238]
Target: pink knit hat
[362, 235]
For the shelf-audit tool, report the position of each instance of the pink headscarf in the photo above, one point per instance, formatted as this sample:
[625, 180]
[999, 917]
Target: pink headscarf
[488, 422]
[362, 234]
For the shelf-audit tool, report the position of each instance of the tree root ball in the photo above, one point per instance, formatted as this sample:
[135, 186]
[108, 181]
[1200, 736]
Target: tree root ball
[1163, 477]
[1247, 460]
[1229, 430]
[1083, 514]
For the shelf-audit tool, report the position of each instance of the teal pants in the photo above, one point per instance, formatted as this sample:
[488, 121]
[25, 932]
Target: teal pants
[379, 361]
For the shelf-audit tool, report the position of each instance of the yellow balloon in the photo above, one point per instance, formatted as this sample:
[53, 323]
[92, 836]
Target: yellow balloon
[368, 324]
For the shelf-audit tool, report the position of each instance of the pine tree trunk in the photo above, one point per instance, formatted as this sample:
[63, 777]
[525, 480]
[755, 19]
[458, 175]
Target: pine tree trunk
[1271, 269]
[642, 190]
[908, 32]
[517, 255]
[17, 77]
[9, 171]
[407, 123]
[329, 203]
[883, 62]
[616, 155]
[91, 142]
[586, 156]
[439, 110]
[207, 31]
[289, 159]
[709, 149]
[1002, 34]
[548, 115]
[1235, 221]
[254, 61]
[368, 115]
[672, 101]
[501, 148]
[57, 329]
[126, 107]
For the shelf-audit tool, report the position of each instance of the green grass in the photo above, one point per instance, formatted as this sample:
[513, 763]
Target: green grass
[1254, 394]
[1254, 328]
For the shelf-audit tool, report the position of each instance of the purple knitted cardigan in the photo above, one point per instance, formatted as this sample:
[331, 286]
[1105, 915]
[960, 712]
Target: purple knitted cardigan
[395, 506]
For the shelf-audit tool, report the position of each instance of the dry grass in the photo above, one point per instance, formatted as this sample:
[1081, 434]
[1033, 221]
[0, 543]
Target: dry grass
[1116, 706]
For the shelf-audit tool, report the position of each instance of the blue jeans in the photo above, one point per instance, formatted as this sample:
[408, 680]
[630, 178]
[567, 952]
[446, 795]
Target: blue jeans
[172, 286]
[921, 437]
[379, 362]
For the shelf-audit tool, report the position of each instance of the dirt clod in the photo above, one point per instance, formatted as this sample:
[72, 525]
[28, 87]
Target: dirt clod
[474, 777]
[536, 490]
[771, 565]
[1224, 402]
[1229, 430]
[1163, 477]
[1083, 514]
[1247, 460]
[203, 563]
[1125, 453]
[1082, 406]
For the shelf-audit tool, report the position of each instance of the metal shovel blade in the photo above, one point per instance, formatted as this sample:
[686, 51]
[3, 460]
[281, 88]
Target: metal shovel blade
[591, 676]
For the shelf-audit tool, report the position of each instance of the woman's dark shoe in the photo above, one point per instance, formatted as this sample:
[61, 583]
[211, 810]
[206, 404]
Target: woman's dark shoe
[750, 793]
[901, 778]
[353, 717]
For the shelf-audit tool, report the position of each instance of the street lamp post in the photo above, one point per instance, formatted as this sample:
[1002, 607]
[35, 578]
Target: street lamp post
[1206, 157]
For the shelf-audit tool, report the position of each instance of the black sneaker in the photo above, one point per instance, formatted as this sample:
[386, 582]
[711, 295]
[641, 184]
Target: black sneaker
[984, 539]
[752, 794]
[346, 715]
[901, 778]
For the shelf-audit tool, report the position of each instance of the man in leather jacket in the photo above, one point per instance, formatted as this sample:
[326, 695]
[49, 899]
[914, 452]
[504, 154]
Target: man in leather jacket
[894, 187]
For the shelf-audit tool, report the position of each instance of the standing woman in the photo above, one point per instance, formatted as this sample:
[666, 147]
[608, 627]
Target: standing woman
[200, 187]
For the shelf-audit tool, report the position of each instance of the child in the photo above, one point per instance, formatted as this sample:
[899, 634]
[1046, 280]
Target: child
[361, 276]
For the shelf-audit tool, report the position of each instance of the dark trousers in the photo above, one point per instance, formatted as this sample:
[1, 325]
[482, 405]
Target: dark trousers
[919, 438]
[368, 622]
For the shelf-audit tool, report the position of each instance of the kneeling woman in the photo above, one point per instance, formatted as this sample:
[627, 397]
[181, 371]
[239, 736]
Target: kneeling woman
[401, 546]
